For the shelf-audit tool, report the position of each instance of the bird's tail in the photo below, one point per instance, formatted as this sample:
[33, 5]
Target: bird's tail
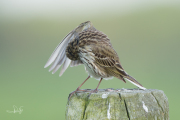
[135, 82]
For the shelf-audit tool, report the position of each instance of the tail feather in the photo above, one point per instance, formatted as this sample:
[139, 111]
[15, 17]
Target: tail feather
[121, 78]
[135, 82]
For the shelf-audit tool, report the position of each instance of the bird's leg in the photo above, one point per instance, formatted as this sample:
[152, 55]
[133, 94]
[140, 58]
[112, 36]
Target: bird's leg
[78, 88]
[94, 91]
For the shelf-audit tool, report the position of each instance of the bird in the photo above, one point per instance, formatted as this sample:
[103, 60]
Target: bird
[88, 46]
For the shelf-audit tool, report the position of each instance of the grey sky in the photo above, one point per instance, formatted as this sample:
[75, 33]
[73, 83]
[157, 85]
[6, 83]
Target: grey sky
[68, 8]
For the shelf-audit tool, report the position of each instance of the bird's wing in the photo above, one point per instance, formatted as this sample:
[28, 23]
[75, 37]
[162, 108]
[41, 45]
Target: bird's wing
[100, 46]
[104, 55]
[58, 57]
[75, 63]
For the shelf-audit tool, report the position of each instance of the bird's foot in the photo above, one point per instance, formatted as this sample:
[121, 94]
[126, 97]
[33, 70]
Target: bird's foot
[94, 91]
[72, 93]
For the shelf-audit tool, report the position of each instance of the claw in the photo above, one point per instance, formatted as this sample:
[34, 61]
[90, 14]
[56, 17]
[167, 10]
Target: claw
[94, 91]
[72, 93]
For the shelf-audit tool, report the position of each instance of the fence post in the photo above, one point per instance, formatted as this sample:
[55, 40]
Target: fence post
[120, 104]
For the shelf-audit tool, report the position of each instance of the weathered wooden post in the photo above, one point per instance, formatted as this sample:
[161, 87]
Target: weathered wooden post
[122, 104]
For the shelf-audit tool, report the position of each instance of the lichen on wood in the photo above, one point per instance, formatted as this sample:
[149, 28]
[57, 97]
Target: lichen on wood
[120, 104]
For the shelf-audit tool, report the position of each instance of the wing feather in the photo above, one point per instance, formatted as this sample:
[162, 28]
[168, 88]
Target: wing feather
[65, 66]
[106, 56]
[59, 64]
[100, 49]
[58, 49]
[56, 61]
[75, 63]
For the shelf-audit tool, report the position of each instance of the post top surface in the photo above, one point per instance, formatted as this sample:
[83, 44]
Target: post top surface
[123, 90]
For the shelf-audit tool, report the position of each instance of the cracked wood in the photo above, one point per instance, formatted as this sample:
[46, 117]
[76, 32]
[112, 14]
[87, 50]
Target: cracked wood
[121, 104]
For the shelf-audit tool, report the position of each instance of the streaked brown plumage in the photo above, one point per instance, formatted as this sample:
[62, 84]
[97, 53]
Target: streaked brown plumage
[88, 46]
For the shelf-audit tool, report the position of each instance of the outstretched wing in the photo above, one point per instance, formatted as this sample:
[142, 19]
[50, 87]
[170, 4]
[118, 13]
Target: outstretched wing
[58, 57]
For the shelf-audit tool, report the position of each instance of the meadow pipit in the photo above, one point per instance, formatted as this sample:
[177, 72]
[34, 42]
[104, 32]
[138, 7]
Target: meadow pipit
[86, 45]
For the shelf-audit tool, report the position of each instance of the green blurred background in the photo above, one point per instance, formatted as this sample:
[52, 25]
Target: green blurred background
[145, 34]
